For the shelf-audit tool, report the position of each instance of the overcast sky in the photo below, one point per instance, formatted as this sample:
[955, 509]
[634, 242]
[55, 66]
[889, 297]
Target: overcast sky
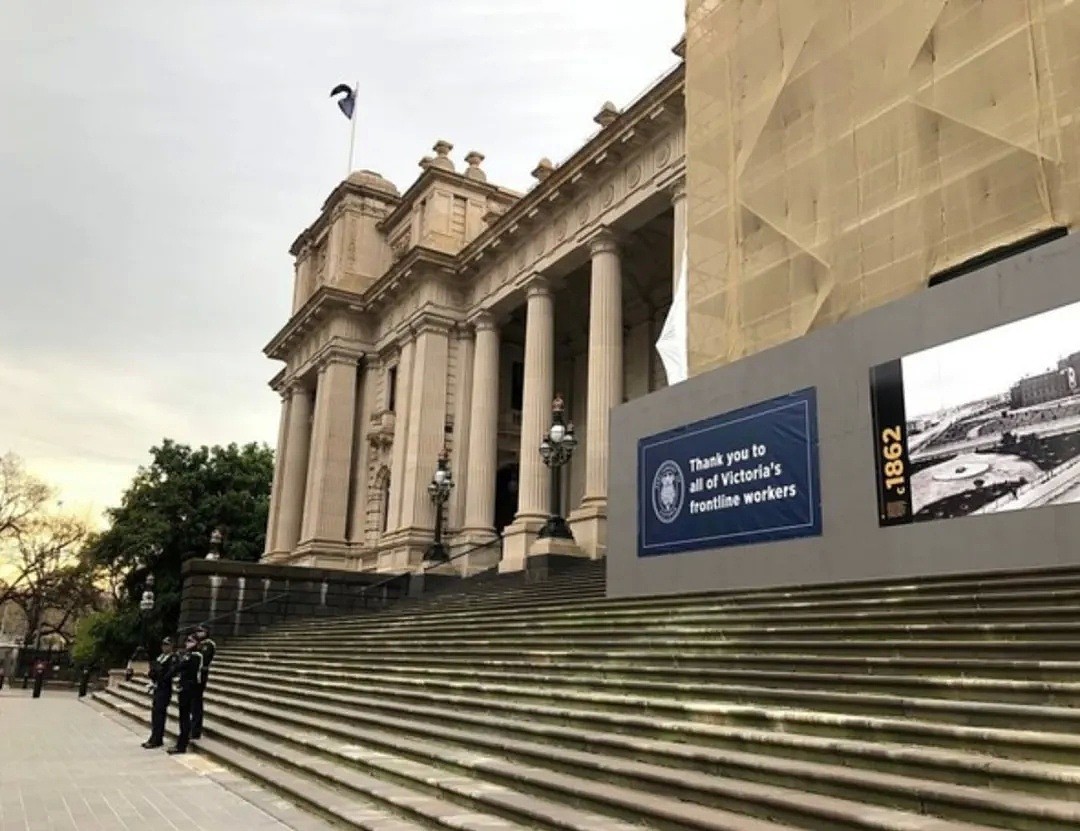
[988, 363]
[157, 160]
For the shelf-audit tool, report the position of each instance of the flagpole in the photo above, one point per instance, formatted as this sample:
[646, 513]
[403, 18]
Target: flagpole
[352, 131]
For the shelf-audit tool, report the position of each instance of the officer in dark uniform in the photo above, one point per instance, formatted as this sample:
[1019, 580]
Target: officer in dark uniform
[162, 672]
[188, 670]
[208, 649]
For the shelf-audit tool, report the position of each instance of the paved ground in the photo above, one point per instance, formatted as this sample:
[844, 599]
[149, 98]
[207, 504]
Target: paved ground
[65, 766]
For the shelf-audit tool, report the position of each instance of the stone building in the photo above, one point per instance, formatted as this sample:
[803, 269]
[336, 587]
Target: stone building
[449, 316]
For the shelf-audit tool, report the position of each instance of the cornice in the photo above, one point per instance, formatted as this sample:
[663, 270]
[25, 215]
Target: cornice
[608, 146]
[277, 383]
[325, 300]
[399, 274]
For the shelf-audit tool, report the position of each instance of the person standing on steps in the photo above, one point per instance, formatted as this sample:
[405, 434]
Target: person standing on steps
[188, 670]
[208, 649]
[162, 672]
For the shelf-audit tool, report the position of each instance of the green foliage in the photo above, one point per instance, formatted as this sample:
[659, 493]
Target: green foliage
[104, 639]
[167, 515]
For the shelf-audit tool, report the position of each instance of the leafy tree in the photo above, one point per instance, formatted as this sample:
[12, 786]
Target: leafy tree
[166, 516]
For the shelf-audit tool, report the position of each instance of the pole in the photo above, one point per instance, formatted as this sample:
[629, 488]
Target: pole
[352, 132]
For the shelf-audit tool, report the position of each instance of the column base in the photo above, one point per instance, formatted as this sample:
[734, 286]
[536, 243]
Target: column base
[324, 553]
[518, 538]
[481, 559]
[589, 524]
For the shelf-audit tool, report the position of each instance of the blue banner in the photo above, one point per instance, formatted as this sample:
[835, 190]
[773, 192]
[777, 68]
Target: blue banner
[743, 477]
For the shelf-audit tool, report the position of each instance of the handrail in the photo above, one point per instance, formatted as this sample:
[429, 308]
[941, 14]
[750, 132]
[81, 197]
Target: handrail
[242, 609]
[363, 590]
[479, 546]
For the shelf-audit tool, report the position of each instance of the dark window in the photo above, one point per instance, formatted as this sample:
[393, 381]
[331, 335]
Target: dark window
[391, 388]
[996, 255]
[385, 506]
[517, 385]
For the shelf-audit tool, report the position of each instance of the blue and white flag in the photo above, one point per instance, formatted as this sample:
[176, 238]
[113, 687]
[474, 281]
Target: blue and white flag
[348, 102]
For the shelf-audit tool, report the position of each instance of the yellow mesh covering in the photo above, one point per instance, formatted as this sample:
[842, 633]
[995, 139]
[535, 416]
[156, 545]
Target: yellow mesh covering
[839, 152]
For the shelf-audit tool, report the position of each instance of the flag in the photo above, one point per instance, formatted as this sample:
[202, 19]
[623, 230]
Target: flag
[671, 345]
[348, 103]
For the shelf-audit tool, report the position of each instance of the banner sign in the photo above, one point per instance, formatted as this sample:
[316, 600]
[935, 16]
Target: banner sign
[744, 477]
[982, 424]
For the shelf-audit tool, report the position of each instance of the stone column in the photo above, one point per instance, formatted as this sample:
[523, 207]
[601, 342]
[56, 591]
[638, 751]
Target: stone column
[484, 429]
[401, 426]
[279, 468]
[462, 437]
[331, 452]
[539, 389]
[678, 202]
[427, 423]
[605, 388]
[365, 405]
[294, 474]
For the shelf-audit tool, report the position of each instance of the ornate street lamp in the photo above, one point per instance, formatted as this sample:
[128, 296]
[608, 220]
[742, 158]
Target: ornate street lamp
[215, 545]
[439, 489]
[556, 450]
[146, 607]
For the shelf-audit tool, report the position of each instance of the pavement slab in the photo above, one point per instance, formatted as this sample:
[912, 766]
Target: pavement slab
[67, 766]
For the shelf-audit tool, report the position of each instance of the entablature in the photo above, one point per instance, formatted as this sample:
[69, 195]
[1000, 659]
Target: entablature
[327, 309]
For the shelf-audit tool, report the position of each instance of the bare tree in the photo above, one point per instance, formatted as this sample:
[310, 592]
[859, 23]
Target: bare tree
[22, 497]
[57, 584]
[42, 571]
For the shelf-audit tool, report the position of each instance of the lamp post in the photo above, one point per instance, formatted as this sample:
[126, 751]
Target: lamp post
[556, 450]
[439, 488]
[146, 606]
[215, 545]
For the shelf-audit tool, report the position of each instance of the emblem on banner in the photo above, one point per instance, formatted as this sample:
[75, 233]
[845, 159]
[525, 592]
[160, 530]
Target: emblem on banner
[669, 487]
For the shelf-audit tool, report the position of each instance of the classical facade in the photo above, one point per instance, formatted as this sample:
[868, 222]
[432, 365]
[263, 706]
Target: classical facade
[449, 316]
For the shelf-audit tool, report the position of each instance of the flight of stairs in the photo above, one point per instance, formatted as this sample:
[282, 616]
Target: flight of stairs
[945, 704]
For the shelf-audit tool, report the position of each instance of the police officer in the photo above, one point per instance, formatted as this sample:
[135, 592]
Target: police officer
[162, 672]
[208, 649]
[188, 671]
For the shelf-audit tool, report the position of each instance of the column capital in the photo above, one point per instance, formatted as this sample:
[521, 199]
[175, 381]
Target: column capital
[338, 356]
[431, 323]
[482, 321]
[677, 190]
[604, 241]
[537, 285]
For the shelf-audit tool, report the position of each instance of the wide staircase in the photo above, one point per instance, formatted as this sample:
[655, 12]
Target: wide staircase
[946, 704]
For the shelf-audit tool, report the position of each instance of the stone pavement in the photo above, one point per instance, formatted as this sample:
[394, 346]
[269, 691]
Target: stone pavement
[65, 766]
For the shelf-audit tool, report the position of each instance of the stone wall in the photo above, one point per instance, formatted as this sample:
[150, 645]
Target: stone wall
[238, 597]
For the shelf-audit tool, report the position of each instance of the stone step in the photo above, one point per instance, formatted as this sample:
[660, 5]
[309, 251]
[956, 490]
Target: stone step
[1055, 650]
[344, 810]
[678, 608]
[687, 664]
[700, 725]
[948, 588]
[722, 704]
[347, 759]
[675, 682]
[493, 633]
[641, 786]
[1056, 609]
[746, 752]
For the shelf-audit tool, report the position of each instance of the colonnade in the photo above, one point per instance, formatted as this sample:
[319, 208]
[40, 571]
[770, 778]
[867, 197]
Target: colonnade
[316, 486]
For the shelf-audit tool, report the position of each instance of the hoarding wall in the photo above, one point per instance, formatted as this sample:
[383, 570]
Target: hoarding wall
[839, 152]
[937, 434]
